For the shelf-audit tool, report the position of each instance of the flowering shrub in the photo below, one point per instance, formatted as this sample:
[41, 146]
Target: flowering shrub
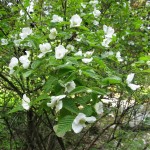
[69, 60]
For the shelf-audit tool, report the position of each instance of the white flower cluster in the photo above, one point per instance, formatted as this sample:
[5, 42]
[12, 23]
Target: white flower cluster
[79, 122]
[44, 48]
[129, 80]
[4, 42]
[26, 102]
[75, 21]
[56, 101]
[23, 60]
[109, 32]
[25, 32]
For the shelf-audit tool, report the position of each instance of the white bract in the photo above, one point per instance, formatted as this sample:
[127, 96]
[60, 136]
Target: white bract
[79, 122]
[26, 102]
[79, 53]
[44, 48]
[96, 13]
[106, 42]
[95, 22]
[88, 53]
[70, 47]
[75, 21]
[30, 7]
[53, 33]
[60, 52]
[57, 18]
[109, 31]
[17, 42]
[107, 54]
[87, 60]
[118, 56]
[13, 63]
[69, 86]
[99, 108]
[129, 80]
[25, 32]
[56, 102]
[24, 60]
[93, 2]
[4, 42]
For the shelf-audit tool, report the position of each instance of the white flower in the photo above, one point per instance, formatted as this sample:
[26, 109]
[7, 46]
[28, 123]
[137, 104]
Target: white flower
[21, 12]
[96, 13]
[106, 42]
[79, 53]
[94, 2]
[118, 56]
[83, 5]
[44, 48]
[107, 54]
[60, 52]
[25, 32]
[109, 31]
[148, 63]
[53, 33]
[88, 53]
[17, 42]
[133, 86]
[30, 7]
[75, 21]
[4, 42]
[56, 102]
[79, 122]
[87, 60]
[99, 108]
[129, 80]
[13, 63]
[95, 22]
[57, 18]
[26, 102]
[24, 60]
[69, 86]
[70, 47]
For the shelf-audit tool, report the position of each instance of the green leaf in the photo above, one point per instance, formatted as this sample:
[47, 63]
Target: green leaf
[35, 64]
[27, 74]
[90, 73]
[79, 89]
[69, 104]
[41, 97]
[112, 80]
[97, 90]
[65, 124]
[50, 83]
[16, 109]
[87, 110]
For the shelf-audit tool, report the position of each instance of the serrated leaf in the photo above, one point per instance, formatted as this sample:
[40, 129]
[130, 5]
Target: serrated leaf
[16, 109]
[27, 74]
[65, 124]
[97, 90]
[87, 110]
[69, 104]
[112, 80]
[90, 73]
[35, 64]
[41, 97]
[50, 83]
[79, 89]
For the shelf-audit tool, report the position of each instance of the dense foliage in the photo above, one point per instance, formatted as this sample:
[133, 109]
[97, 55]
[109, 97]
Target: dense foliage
[74, 71]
